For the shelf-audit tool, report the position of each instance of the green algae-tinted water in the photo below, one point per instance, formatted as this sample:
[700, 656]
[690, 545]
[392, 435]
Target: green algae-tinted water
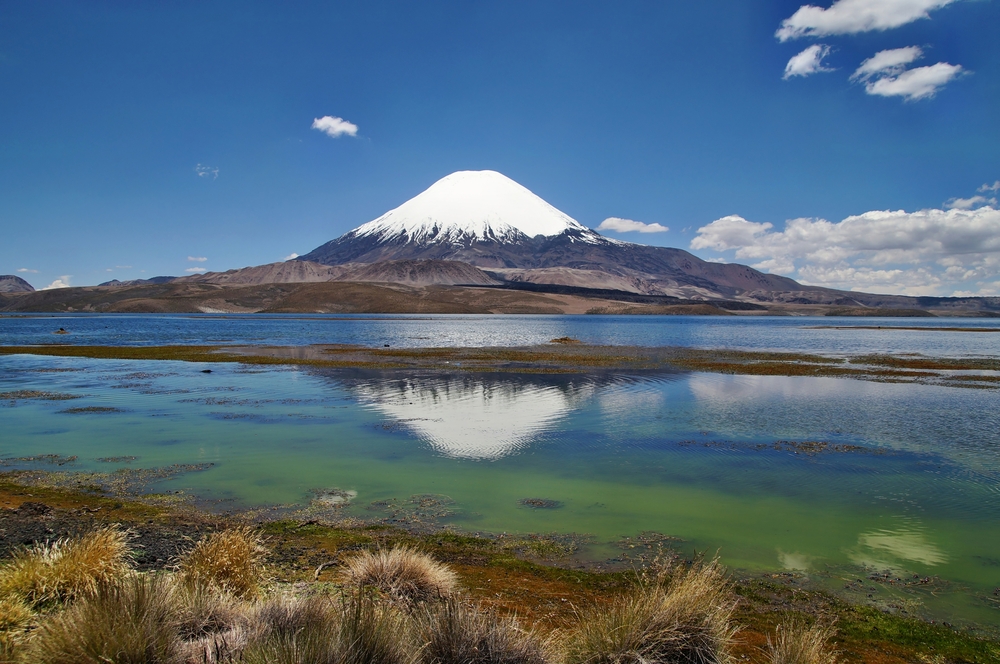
[829, 478]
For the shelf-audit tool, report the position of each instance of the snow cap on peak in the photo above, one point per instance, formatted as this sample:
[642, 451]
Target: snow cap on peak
[472, 205]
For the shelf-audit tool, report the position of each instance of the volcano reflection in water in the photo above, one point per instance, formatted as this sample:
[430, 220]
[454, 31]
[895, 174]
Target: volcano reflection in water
[474, 417]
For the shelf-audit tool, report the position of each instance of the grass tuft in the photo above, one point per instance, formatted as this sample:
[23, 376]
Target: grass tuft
[404, 575]
[232, 560]
[320, 631]
[458, 633]
[66, 568]
[794, 643]
[687, 620]
[128, 622]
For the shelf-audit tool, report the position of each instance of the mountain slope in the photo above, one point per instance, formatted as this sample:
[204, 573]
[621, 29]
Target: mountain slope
[424, 272]
[287, 272]
[10, 283]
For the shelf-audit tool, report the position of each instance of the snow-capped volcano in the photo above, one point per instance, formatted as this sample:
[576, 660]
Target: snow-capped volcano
[489, 221]
[471, 206]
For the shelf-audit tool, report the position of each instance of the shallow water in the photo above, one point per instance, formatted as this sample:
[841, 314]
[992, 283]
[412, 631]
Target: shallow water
[732, 332]
[908, 480]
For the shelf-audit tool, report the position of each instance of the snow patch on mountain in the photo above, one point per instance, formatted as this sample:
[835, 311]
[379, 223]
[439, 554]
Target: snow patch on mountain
[474, 206]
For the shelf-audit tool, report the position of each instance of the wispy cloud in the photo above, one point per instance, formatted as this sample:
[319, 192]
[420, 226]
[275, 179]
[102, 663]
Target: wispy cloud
[989, 187]
[629, 226]
[808, 62]
[211, 172]
[913, 84]
[969, 203]
[61, 282]
[885, 74]
[845, 17]
[27, 269]
[123, 267]
[335, 127]
[195, 269]
[197, 259]
[291, 256]
[891, 62]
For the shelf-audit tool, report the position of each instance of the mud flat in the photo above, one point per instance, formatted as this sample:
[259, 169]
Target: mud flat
[565, 355]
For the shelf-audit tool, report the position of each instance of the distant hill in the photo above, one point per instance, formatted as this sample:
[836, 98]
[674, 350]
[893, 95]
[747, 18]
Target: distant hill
[13, 284]
[114, 283]
[287, 272]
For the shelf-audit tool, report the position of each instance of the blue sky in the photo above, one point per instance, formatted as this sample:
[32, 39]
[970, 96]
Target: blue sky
[138, 136]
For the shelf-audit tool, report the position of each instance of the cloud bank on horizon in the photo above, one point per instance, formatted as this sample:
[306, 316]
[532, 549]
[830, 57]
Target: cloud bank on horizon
[885, 74]
[949, 252]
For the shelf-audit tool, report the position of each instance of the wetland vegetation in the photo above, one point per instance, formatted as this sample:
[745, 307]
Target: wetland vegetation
[235, 592]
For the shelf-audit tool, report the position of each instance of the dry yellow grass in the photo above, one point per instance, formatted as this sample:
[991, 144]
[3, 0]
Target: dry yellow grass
[15, 618]
[232, 560]
[460, 633]
[794, 643]
[402, 574]
[131, 621]
[687, 620]
[320, 630]
[66, 568]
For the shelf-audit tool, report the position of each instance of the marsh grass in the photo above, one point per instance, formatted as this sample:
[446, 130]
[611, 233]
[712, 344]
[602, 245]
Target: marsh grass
[15, 618]
[66, 568]
[201, 612]
[131, 621]
[686, 620]
[795, 643]
[355, 630]
[404, 575]
[460, 633]
[231, 560]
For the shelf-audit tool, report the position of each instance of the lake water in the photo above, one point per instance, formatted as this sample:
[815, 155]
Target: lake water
[830, 479]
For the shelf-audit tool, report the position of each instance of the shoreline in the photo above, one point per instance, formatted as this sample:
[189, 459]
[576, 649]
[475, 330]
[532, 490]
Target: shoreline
[512, 579]
[563, 355]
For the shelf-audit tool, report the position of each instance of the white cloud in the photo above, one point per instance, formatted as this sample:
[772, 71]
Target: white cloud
[919, 83]
[26, 269]
[885, 74]
[969, 203]
[123, 267]
[989, 187]
[195, 269]
[919, 253]
[808, 62]
[891, 62]
[847, 17]
[627, 226]
[291, 256]
[335, 127]
[207, 171]
[197, 259]
[61, 282]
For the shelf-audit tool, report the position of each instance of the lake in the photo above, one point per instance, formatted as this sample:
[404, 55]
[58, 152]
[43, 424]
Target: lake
[883, 492]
